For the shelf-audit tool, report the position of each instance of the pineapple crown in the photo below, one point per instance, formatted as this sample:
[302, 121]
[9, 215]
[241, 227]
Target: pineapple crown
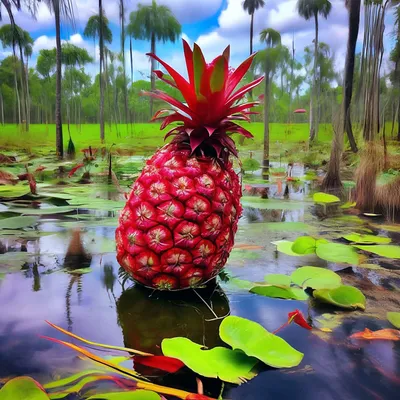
[211, 102]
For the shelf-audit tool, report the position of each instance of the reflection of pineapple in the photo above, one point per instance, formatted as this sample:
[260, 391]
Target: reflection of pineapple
[146, 320]
[177, 228]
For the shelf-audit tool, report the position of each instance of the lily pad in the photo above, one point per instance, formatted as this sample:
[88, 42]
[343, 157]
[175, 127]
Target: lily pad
[388, 251]
[285, 246]
[347, 297]
[80, 271]
[338, 253]
[229, 365]
[280, 292]
[131, 395]
[22, 388]
[286, 226]
[306, 245]
[278, 279]
[11, 191]
[18, 222]
[43, 211]
[325, 198]
[316, 278]
[394, 318]
[271, 204]
[369, 266]
[256, 341]
[366, 239]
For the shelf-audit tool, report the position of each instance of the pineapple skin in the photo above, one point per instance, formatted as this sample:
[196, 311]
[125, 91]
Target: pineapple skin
[177, 228]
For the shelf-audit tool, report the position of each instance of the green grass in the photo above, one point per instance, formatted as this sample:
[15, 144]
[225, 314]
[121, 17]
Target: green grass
[144, 137]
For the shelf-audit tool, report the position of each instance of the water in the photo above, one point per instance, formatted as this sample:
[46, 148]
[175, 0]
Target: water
[97, 307]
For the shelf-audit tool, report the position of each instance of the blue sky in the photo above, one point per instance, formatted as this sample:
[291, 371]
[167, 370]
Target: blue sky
[213, 24]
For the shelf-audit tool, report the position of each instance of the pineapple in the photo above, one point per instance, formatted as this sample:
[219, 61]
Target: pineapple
[178, 225]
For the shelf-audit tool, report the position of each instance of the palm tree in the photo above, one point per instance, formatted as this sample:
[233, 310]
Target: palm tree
[154, 23]
[395, 58]
[28, 53]
[311, 9]
[251, 6]
[267, 59]
[125, 89]
[60, 9]
[97, 26]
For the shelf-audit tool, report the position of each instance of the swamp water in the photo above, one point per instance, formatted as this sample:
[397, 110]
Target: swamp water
[36, 284]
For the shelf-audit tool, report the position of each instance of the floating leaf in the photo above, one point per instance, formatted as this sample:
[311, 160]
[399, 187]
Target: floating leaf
[18, 222]
[338, 253]
[325, 198]
[67, 381]
[389, 228]
[348, 205]
[22, 388]
[394, 318]
[241, 283]
[271, 204]
[79, 271]
[316, 278]
[43, 211]
[369, 266]
[162, 363]
[286, 226]
[366, 239]
[256, 341]
[131, 395]
[344, 296]
[280, 292]
[228, 365]
[382, 334]
[11, 191]
[278, 279]
[285, 247]
[388, 251]
[306, 244]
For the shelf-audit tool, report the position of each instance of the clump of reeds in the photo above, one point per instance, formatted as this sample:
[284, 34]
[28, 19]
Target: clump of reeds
[388, 198]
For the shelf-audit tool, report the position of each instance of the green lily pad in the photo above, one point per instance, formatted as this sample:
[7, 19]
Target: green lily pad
[394, 318]
[338, 253]
[131, 395]
[366, 239]
[316, 278]
[347, 297]
[43, 211]
[306, 245]
[11, 191]
[348, 205]
[22, 388]
[18, 222]
[389, 228]
[280, 292]
[388, 251]
[229, 365]
[254, 340]
[13, 261]
[80, 271]
[285, 247]
[369, 266]
[278, 279]
[31, 234]
[325, 198]
[271, 204]
[241, 283]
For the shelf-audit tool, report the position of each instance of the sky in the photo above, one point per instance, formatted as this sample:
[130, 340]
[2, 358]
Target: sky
[212, 24]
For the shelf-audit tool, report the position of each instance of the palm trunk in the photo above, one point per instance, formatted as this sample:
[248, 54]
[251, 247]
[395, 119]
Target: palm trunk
[265, 165]
[251, 33]
[122, 16]
[28, 97]
[313, 99]
[1, 108]
[398, 120]
[59, 133]
[354, 24]
[101, 45]
[291, 83]
[22, 84]
[131, 57]
[153, 67]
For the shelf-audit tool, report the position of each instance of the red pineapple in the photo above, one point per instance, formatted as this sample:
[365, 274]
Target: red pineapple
[178, 225]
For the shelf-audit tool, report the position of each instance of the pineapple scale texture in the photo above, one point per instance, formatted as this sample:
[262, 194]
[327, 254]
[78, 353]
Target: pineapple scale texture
[178, 225]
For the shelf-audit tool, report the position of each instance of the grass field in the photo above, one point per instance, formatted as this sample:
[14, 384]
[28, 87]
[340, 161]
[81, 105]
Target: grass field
[142, 137]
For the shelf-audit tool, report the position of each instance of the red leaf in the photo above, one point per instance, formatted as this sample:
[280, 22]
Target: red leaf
[383, 334]
[174, 118]
[297, 317]
[193, 396]
[238, 74]
[23, 177]
[162, 363]
[160, 75]
[73, 170]
[182, 84]
[40, 168]
[32, 183]
[243, 90]
[189, 61]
